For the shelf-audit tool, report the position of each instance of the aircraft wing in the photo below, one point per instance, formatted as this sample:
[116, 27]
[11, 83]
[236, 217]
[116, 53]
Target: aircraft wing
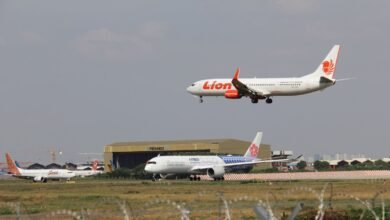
[244, 89]
[253, 162]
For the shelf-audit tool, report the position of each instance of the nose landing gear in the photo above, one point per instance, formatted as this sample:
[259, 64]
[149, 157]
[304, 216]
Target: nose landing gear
[200, 99]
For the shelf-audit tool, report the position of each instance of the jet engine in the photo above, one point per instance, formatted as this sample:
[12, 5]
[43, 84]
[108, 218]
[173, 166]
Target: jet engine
[39, 179]
[216, 172]
[232, 94]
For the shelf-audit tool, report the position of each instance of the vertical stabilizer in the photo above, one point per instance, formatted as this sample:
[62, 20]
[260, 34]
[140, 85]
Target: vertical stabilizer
[327, 68]
[94, 165]
[253, 149]
[12, 168]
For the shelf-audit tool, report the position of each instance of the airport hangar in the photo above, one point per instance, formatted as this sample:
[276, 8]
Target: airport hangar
[132, 154]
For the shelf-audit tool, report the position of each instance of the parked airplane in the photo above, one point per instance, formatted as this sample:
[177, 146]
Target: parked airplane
[37, 175]
[84, 173]
[213, 166]
[265, 88]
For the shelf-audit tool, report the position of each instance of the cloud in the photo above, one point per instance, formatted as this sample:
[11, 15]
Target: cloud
[31, 38]
[106, 44]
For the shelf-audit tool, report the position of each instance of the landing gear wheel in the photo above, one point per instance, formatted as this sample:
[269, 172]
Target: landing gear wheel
[268, 100]
[191, 178]
[255, 100]
[201, 99]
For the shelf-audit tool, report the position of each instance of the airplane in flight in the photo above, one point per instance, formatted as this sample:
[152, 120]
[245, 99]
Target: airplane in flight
[265, 88]
[213, 166]
[93, 171]
[37, 175]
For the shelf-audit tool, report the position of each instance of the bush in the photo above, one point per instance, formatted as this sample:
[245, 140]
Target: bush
[125, 173]
[301, 165]
[321, 165]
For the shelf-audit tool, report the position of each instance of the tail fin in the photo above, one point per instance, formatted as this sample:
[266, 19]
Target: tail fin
[12, 168]
[94, 165]
[327, 68]
[253, 149]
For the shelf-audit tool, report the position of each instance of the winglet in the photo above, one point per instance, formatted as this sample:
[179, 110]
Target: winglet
[237, 74]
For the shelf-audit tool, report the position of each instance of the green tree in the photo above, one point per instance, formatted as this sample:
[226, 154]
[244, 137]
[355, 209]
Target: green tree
[301, 165]
[321, 165]
[380, 163]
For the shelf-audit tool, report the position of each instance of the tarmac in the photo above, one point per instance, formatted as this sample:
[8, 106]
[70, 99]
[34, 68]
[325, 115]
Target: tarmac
[328, 175]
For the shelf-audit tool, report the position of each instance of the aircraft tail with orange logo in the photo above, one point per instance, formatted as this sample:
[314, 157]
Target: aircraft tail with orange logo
[95, 165]
[327, 68]
[12, 168]
[253, 149]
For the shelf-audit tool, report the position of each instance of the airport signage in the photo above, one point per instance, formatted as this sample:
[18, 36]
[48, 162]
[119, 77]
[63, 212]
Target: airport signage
[157, 148]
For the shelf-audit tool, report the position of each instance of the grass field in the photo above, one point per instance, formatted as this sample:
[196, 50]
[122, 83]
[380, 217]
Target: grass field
[114, 199]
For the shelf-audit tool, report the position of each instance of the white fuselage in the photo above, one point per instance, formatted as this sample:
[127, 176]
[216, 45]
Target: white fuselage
[46, 173]
[275, 86]
[185, 164]
[84, 173]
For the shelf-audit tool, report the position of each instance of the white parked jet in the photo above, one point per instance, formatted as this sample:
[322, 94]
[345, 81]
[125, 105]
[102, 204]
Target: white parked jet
[93, 171]
[265, 88]
[37, 175]
[214, 166]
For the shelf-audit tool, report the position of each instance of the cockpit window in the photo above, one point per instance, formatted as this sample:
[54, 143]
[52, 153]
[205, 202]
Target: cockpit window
[151, 162]
[193, 84]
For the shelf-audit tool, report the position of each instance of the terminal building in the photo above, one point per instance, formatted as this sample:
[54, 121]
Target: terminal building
[132, 154]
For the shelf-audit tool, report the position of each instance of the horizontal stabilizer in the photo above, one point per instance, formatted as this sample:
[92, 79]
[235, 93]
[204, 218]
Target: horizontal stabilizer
[326, 80]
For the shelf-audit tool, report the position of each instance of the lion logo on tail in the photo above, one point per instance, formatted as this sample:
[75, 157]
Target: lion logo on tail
[328, 67]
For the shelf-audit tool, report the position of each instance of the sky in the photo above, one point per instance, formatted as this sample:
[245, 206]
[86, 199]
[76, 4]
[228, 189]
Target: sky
[77, 75]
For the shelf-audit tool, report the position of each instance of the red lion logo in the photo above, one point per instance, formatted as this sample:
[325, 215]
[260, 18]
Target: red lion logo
[253, 150]
[328, 67]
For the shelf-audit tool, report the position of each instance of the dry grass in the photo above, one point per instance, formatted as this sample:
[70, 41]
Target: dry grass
[159, 200]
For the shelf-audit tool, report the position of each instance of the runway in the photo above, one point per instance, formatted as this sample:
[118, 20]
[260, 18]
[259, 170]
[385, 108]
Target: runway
[329, 175]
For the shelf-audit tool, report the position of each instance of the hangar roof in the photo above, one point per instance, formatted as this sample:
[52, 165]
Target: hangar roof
[208, 141]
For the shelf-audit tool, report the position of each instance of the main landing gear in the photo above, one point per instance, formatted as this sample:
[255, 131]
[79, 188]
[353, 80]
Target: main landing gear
[255, 100]
[194, 178]
[268, 100]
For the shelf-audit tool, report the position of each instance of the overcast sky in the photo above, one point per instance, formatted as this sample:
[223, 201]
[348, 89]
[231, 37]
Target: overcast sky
[77, 75]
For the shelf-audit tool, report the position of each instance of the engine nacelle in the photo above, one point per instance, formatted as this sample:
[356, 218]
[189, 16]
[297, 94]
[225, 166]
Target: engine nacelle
[216, 172]
[38, 179]
[232, 94]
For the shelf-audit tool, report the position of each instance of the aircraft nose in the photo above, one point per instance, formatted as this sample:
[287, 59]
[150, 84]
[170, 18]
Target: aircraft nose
[190, 89]
[147, 168]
